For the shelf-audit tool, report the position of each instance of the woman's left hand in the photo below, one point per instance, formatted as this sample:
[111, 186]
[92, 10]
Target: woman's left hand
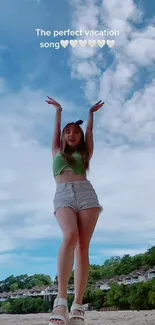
[97, 106]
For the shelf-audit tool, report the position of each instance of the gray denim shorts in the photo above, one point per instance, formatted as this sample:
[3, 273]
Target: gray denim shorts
[76, 195]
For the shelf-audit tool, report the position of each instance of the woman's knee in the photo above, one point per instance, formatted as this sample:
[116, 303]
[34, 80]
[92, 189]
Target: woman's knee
[70, 238]
[67, 220]
[82, 248]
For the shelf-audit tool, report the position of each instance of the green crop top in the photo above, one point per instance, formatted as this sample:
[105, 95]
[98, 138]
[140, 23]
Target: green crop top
[59, 164]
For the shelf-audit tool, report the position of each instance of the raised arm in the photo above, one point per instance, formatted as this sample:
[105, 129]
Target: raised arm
[89, 129]
[57, 132]
[57, 126]
[89, 134]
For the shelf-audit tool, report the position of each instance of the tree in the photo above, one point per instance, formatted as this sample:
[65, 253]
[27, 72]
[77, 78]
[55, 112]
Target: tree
[25, 306]
[14, 287]
[99, 299]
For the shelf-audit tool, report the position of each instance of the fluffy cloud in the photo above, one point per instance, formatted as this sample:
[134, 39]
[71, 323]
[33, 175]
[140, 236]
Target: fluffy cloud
[132, 47]
[133, 119]
[126, 125]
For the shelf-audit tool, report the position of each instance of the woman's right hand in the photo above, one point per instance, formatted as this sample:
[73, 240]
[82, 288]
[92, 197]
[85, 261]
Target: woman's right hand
[51, 101]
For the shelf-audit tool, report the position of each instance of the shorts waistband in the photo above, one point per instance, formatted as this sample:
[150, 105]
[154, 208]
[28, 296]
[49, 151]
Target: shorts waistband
[74, 183]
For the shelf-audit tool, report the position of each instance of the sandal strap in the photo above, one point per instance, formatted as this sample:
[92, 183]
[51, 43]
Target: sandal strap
[76, 316]
[77, 307]
[60, 302]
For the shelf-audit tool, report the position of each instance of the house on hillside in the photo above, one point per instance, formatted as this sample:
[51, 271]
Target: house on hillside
[138, 276]
[127, 280]
[18, 294]
[120, 279]
[106, 283]
[51, 290]
[116, 280]
[150, 274]
[103, 284]
[70, 289]
[4, 296]
[36, 291]
[98, 284]
[45, 292]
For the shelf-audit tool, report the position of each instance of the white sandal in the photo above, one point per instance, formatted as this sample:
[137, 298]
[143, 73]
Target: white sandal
[72, 318]
[60, 302]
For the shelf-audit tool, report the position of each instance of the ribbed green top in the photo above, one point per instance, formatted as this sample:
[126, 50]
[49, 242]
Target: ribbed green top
[59, 164]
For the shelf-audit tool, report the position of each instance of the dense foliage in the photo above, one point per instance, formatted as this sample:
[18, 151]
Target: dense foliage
[24, 282]
[136, 296]
[25, 306]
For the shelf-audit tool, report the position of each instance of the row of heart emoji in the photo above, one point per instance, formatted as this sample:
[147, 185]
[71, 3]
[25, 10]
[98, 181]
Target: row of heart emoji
[84, 43]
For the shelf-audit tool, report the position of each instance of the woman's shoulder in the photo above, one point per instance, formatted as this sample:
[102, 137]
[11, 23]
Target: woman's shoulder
[56, 153]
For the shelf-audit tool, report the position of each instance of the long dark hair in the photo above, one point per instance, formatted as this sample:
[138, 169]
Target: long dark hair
[81, 147]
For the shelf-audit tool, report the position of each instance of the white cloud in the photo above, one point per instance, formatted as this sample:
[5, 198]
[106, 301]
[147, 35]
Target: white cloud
[127, 174]
[133, 119]
[81, 13]
[7, 244]
[116, 83]
[85, 16]
[90, 89]
[121, 252]
[16, 261]
[28, 188]
[132, 48]
[86, 70]
[27, 185]
[121, 10]
[123, 119]
[141, 50]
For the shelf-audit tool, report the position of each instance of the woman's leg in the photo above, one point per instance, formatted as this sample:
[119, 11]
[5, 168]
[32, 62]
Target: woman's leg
[67, 220]
[87, 220]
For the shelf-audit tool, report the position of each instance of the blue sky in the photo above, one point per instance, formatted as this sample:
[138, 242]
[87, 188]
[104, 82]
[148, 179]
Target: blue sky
[122, 169]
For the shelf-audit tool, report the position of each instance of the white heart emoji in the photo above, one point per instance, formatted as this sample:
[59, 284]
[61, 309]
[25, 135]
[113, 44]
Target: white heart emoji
[92, 43]
[73, 43]
[110, 43]
[64, 43]
[101, 43]
[82, 43]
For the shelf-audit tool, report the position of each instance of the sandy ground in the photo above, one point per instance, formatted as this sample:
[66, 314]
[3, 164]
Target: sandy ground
[92, 318]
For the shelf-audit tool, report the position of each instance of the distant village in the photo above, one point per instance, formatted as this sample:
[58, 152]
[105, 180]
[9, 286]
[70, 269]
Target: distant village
[47, 292]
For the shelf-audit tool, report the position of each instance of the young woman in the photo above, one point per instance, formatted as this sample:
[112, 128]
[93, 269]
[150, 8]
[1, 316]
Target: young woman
[76, 208]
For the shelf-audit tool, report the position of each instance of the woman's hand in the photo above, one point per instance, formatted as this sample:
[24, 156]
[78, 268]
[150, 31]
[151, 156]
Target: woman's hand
[97, 106]
[53, 102]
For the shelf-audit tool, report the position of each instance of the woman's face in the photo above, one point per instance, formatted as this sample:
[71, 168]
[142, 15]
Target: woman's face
[72, 136]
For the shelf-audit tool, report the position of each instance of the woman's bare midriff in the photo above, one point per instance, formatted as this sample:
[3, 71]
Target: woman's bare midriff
[69, 176]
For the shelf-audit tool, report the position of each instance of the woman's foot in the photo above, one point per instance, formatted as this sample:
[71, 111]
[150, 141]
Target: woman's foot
[61, 311]
[77, 312]
[60, 315]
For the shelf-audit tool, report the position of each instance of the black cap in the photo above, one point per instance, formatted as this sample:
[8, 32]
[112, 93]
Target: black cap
[79, 122]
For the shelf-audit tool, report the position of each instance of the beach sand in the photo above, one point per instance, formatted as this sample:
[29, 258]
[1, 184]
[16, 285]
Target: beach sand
[92, 318]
